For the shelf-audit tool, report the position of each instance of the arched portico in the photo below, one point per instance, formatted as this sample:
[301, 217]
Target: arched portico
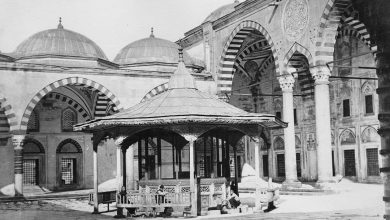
[232, 48]
[63, 82]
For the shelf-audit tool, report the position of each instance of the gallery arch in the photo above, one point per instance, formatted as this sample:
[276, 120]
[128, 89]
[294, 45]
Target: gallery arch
[34, 163]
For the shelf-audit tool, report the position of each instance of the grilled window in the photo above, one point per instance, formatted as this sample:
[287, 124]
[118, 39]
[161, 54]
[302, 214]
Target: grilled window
[372, 162]
[33, 122]
[68, 119]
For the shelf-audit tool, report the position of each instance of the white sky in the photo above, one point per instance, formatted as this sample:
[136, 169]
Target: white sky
[112, 24]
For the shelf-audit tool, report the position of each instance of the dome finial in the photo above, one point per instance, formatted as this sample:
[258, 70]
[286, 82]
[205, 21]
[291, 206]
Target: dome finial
[60, 24]
[236, 1]
[151, 33]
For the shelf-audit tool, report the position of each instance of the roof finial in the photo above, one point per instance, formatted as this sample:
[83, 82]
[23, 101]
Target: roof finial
[236, 1]
[60, 24]
[151, 33]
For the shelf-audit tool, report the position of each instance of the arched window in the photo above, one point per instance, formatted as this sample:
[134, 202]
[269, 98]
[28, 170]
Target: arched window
[370, 135]
[69, 118]
[33, 122]
[368, 94]
[347, 137]
[278, 143]
[69, 154]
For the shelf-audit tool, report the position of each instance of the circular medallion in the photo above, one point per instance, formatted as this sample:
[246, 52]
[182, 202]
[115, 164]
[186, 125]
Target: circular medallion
[295, 19]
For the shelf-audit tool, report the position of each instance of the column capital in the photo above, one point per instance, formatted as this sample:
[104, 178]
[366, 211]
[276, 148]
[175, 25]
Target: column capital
[190, 137]
[320, 74]
[119, 141]
[18, 140]
[286, 82]
[256, 139]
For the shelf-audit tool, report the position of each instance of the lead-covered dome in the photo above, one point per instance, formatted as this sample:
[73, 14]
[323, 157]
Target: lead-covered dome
[154, 51]
[221, 11]
[58, 42]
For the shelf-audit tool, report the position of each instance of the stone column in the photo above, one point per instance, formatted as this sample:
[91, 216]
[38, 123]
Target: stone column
[287, 85]
[95, 178]
[323, 133]
[193, 188]
[379, 26]
[118, 143]
[130, 167]
[17, 141]
[257, 155]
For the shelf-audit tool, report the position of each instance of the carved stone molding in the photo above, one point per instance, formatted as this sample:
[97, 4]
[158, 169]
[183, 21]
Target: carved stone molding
[295, 19]
[320, 74]
[286, 83]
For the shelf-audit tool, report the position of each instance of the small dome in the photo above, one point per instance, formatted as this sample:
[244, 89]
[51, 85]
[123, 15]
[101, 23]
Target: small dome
[221, 11]
[153, 50]
[59, 42]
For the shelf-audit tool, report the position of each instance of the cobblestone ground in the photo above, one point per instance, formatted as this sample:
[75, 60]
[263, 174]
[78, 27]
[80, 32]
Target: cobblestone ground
[355, 201]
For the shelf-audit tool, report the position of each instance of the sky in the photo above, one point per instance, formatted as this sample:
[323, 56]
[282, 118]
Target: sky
[112, 24]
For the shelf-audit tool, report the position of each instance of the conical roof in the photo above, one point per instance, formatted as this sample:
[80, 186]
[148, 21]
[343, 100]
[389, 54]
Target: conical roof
[182, 103]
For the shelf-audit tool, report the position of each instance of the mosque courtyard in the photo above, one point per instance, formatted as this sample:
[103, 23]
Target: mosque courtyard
[352, 201]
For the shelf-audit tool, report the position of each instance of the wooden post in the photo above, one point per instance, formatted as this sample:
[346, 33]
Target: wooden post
[124, 168]
[159, 156]
[217, 147]
[139, 159]
[147, 164]
[212, 158]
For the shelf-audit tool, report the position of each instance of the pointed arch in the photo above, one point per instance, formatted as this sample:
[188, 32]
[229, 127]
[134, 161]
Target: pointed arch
[370, 134]
[63, 82]
[231, 49]
[8, 112]
[297, 48]
[347, 137]
[278, 143]
[337, 12]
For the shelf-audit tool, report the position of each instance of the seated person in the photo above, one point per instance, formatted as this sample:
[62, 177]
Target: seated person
[161, 194]
[234, 200]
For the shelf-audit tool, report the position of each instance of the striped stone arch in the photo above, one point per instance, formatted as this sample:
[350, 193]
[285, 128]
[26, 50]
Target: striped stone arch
[299, 58]
[9, 115]
[231, 49]
[246, 51]
[336, 13]
[155, 91]
[300, 49]
[63, 82]
[354, 33]
[70, 102]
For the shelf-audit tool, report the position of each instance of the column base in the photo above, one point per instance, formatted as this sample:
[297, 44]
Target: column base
[291, 184]
[119, 213]
[326, 185]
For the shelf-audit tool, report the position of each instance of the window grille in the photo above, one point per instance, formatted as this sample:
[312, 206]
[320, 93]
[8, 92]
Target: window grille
[281, 165]
[30, 172]
[372, 162]
[298, 159]
[265, 165]
[68, 166]
[33, 122]
[68, 120]
[349, 163]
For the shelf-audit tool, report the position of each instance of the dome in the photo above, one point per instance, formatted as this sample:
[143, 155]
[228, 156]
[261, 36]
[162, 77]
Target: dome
[221, 11]
[153, 50]
[58, 42]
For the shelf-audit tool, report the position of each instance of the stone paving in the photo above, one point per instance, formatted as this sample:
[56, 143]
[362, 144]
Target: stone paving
[354, 201]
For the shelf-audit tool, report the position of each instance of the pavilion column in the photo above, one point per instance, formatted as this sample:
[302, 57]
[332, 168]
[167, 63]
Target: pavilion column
[130, 167]
[17, 141]
[287, 85]
[257, 155]
[124, 162]
[323, 132]
[96, 144]
[193, 188]
[118, 143]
